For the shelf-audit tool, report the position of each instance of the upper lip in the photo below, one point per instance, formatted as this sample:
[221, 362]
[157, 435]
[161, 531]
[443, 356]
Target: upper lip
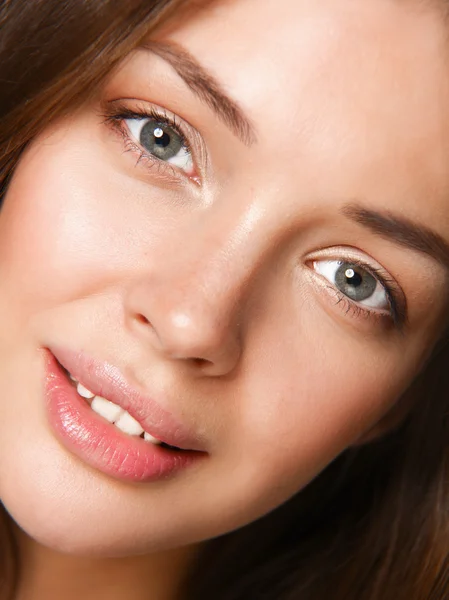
[106, 380]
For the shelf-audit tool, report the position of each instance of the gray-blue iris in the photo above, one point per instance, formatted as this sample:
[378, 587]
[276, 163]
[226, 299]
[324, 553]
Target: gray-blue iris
[355, 282]
[160, 140]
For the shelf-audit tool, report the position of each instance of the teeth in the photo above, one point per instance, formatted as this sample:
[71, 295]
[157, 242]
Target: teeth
[128, 424]
[114, 414]
[84, 392]
[149, 438]
[110, 411]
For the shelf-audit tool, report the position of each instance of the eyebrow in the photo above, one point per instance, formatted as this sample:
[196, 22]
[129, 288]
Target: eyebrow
[401, 231]
[205, 87]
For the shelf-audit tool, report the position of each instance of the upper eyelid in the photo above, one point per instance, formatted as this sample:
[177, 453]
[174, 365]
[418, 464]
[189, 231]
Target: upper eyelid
[144, 109]
[154, 112]
[364, 260]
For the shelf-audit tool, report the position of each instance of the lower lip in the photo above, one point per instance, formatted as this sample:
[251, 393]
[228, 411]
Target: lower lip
[100, 444]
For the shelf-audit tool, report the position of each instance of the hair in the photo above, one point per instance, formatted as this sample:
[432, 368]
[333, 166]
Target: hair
[374, 524]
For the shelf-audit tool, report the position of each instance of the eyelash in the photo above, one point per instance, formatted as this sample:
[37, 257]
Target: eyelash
[114, 115]
[397, 312]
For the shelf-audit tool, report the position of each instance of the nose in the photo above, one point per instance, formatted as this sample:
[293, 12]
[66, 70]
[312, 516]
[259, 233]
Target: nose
[190, 313]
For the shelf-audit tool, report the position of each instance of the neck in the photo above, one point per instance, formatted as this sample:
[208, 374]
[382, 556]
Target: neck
[49, 575]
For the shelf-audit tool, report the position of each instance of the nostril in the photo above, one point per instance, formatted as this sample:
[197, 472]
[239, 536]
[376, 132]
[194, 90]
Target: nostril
[201, 362]
[142, 319]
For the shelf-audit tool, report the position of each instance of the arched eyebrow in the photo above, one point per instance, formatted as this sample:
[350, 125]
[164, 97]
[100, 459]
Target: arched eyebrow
[401, 231]
[206, 87]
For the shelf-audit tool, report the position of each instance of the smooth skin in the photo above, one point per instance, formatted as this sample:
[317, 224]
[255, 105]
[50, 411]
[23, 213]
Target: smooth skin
[205, 286]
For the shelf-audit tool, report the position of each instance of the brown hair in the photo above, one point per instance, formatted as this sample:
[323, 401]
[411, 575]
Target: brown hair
[374, 524]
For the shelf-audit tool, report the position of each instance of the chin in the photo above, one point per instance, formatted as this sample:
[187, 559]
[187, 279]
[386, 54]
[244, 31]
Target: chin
[65, 531]
[78, 512]
[82, 513]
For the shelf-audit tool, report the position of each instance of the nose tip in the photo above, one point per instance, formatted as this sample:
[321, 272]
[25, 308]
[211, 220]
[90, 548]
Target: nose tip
[202, 338]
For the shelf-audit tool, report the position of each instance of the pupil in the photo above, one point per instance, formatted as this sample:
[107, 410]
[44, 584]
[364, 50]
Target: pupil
[162, 139]
[353, 278]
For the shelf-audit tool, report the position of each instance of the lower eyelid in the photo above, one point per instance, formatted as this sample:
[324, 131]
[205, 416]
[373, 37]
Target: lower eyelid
[349, 307]
[359, 313]
[360, 308]
[162, 169]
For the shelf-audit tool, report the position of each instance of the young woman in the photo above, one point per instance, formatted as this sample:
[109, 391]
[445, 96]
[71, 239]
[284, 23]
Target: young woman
[224, 253]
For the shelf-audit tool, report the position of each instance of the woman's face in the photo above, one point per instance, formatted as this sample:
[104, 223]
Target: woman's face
[247, 242]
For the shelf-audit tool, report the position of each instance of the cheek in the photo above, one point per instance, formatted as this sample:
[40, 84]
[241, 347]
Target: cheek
[45, 237]
[72, 224]
[311, 394]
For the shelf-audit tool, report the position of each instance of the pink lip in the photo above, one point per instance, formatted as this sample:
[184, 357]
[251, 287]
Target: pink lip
[98, 442]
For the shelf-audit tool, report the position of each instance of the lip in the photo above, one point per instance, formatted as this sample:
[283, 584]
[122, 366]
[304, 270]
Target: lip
[104, 379]
[98, 442]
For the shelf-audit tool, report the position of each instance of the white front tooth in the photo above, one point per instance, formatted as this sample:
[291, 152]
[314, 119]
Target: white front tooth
[129, 425]
[110, 411]
[84, 392]
[149, 438]
[72, 378]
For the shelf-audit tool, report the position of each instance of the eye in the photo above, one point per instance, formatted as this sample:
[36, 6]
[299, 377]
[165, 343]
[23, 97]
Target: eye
[162, 141]
[355, 282]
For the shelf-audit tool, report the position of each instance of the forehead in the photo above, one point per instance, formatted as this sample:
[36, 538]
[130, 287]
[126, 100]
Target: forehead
[357, 87]
[283, 42]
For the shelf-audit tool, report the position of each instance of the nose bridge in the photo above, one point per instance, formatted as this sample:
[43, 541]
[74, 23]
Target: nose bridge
[213, 270]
